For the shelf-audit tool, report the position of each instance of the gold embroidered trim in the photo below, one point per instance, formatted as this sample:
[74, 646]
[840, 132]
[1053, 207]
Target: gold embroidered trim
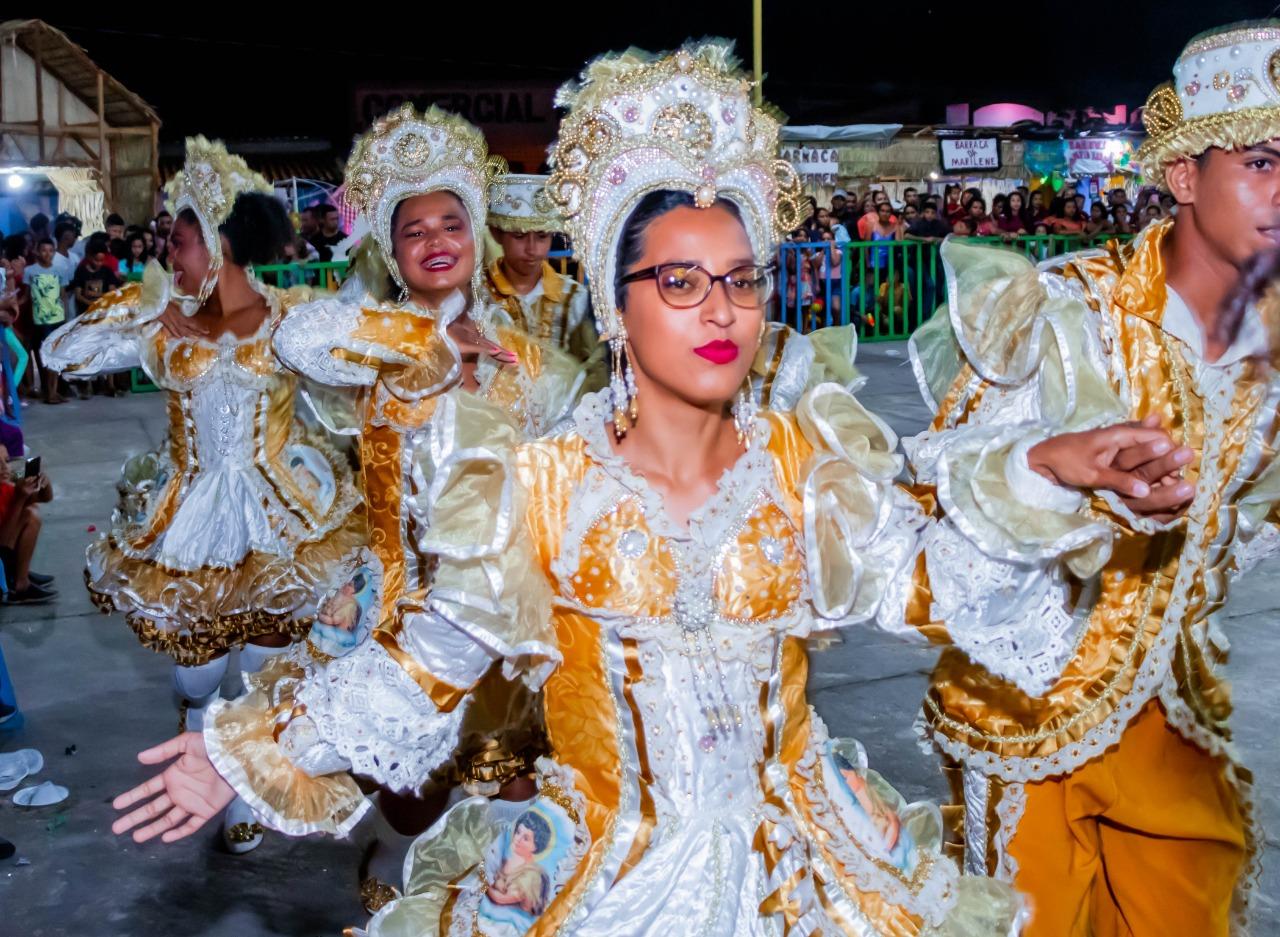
[1188, 139]
[191, 648]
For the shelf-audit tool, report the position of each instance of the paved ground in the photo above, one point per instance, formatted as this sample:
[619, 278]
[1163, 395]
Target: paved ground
[83, 682]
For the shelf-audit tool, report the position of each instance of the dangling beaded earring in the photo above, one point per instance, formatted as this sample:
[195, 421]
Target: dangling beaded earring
[745, 410]
[622, 383]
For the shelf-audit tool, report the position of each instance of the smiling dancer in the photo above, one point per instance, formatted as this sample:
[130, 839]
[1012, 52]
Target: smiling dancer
[375, 364]
[231, 547]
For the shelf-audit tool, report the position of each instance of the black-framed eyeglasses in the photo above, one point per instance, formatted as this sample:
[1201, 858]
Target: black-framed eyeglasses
[685, 286]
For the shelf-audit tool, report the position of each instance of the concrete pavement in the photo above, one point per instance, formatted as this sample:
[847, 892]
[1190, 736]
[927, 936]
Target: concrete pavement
[83, 681]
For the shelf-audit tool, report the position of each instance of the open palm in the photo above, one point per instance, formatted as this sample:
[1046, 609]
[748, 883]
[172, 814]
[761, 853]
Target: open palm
[179, 800]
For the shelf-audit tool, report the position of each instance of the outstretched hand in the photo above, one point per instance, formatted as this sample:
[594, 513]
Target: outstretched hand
[1137, 461]
[179, 800]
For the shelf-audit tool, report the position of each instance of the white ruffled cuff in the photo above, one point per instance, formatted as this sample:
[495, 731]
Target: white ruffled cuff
[1014, 619]
[85, 349]
[860, 531]
[369, 710]
[1262, 544]
[239, 738]
[313, 756]
[976, 489]
[1033, 489]
[305, 341]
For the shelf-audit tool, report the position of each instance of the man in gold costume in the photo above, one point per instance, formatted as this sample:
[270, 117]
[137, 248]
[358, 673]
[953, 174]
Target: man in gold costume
[550, 306]
[1089, 730]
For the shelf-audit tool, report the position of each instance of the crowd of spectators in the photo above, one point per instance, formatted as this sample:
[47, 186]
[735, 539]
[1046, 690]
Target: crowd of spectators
[873, 215]
[884, 280]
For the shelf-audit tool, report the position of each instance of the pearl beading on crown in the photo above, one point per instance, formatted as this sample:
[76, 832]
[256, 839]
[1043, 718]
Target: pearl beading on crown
[683, 121]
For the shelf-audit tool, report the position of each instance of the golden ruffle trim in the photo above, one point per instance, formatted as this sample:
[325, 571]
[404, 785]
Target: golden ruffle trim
[1187, 140]
[239, 737]
[193, 616]
[193, 648]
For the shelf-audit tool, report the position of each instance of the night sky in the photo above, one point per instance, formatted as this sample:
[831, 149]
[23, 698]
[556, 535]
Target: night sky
[288, 69]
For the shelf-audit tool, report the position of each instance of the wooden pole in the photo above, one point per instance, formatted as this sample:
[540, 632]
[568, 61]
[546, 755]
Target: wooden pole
[40, 96]
[102, 141]
[757, 25]
[155, 164]
[62, 141]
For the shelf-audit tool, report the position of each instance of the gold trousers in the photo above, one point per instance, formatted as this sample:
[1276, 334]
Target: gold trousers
[1147, 840]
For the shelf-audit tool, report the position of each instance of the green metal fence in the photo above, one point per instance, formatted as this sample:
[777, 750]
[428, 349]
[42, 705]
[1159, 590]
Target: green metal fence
[330, 274]
[886, 288]
[322, 274]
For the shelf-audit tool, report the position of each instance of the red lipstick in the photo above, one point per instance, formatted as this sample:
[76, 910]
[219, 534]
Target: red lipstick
[721, 351]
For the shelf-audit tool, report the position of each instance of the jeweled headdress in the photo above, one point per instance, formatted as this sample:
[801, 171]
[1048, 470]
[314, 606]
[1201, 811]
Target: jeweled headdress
[684, 121]
[1225, 92]
[407, 153]
[208, 184]
[520, 203]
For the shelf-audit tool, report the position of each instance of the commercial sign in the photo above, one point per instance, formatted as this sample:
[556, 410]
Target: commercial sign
[518, 120]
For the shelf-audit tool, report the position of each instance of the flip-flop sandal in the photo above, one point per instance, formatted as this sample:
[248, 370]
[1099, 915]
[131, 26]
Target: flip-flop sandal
[42, 795]
[14, 766]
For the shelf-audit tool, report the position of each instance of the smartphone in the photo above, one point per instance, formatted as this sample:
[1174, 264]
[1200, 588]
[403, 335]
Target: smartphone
[32, 468]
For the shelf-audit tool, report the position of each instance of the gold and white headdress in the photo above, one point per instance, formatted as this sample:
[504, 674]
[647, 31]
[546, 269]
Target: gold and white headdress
[1225, 93]
[683, 121]
[208, 184]
[519, 203]
[407, 153]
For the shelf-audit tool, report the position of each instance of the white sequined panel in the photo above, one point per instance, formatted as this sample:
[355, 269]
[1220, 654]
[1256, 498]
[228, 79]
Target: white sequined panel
[223, 413]
[682, 697]
[229, 508]
[700, 874]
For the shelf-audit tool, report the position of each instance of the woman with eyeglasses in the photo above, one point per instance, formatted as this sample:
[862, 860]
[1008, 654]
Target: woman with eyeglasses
[659, 566]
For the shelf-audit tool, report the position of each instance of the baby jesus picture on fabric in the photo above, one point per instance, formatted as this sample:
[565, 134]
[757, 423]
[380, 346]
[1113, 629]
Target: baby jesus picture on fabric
[867, 806]
[521, 881]
[346, 612]
[525, 867]
[312, 474]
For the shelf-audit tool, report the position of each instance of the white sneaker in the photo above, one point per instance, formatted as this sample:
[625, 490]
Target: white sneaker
[241, 831]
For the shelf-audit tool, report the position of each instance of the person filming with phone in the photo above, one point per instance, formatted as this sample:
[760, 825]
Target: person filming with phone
[20, 530]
